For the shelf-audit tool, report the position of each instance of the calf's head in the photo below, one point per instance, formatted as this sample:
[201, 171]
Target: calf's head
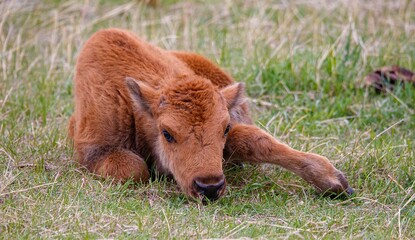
[192, 118]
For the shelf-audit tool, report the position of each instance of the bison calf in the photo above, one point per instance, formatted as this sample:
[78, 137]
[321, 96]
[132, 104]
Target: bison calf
[138, 106]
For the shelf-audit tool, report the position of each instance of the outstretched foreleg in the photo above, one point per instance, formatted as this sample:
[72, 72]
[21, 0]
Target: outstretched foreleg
[248, 143]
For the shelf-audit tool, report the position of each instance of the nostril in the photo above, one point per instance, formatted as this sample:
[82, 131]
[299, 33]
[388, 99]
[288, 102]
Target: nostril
[209, 190]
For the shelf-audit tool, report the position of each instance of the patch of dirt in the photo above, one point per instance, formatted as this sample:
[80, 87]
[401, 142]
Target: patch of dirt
[386, 78]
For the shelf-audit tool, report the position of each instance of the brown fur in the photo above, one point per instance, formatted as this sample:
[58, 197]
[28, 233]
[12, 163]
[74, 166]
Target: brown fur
[131, 96]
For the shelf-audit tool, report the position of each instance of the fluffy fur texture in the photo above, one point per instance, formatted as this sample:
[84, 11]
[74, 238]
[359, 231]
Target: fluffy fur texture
[139, 106]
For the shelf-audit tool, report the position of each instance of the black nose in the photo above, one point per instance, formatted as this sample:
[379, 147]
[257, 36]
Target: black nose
[209, 187]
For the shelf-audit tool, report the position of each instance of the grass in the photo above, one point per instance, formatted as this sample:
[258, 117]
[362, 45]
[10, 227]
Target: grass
[303, 63]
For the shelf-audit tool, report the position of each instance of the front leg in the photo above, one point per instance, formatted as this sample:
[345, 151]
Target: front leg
[248, 143]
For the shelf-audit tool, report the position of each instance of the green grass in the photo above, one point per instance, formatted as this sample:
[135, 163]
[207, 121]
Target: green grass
[303, 63]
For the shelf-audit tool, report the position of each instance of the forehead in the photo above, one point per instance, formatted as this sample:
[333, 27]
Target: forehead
[194, 100]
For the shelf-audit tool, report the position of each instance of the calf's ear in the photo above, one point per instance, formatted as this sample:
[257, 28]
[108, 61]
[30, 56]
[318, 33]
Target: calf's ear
[142, 94]
[234, 94]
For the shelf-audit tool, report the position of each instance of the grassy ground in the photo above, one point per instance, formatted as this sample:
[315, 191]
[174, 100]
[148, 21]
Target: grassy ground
[303, 63]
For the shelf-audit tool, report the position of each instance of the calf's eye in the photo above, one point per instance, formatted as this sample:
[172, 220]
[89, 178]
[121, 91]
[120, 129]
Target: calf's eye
[228, 128]
[169, 138]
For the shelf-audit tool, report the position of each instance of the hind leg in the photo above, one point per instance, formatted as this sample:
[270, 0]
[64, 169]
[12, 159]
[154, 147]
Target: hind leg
[120, 165]
[123, 165]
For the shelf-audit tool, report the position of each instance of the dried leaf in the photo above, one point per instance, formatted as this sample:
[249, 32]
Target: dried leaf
[386, 78]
